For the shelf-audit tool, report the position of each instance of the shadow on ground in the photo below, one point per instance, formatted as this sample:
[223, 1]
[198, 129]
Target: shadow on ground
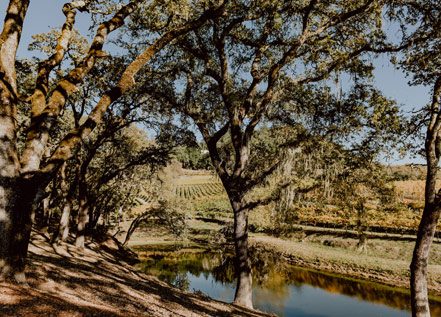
[64, 281]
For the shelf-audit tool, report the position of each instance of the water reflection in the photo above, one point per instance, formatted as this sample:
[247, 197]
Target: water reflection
[278, 287]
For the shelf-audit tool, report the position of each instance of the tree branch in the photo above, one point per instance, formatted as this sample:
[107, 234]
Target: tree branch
[38, 134]
[67, 147]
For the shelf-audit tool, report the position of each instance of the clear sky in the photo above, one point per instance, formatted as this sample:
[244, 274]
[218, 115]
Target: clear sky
[46, 14]
[42, 16]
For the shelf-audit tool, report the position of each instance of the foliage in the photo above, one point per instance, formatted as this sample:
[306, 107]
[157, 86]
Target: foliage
[194, 158]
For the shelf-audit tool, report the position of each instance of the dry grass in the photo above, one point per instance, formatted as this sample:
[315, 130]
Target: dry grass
[410, 191]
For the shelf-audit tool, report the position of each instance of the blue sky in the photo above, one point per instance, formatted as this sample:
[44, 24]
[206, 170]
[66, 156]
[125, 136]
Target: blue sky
[46, 14]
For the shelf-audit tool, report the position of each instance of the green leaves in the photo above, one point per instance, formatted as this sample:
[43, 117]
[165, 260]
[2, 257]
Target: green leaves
[46, 43]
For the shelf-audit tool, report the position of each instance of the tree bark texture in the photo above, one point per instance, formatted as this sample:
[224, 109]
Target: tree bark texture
[11, 214]
[243, 294]
[15, 237]
[431, 212]
[425, 235]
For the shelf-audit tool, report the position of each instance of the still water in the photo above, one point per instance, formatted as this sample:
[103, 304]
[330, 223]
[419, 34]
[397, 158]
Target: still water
[278, 287]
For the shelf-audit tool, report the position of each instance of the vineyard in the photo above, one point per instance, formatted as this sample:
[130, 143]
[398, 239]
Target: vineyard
[206, 197]
[198, 187]
[199, 191]
[187, 191]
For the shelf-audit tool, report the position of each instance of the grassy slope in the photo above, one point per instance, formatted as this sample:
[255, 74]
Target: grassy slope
[376, 265]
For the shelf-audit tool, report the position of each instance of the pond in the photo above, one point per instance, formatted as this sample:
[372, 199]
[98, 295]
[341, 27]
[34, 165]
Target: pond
[278, 287]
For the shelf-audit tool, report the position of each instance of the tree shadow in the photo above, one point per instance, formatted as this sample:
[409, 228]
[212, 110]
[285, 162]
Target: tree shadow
[95, 283]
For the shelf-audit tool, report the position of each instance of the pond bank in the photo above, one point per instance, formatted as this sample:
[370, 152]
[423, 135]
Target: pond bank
[278, 287]
[327, 257]
[98, 282]
[386, 261]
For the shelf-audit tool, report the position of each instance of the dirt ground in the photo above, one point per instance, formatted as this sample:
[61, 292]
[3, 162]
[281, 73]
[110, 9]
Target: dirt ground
[64, 281]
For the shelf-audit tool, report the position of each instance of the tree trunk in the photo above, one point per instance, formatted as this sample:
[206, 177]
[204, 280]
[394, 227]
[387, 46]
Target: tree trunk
[361, 228]
[243, 295]
[426, 232]
[427, 227]
[10, 212]
[362, 242]
[420, 259]
[68, 195]
[16, 230]
[46, 215]
[7, 209]
[94, 217]
[134, 225]
[63, 228]
[236, 187]
[83, 217]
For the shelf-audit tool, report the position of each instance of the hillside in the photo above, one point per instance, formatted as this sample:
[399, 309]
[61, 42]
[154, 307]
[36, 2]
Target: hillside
[64, 282]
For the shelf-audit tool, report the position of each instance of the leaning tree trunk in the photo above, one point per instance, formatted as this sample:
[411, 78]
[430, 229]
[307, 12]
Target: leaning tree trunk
[426, 233]
[431, 213]
[243, 295]
[134, 225]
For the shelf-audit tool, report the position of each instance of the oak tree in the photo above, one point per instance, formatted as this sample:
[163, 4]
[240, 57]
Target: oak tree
[229, 73]
[25, 175]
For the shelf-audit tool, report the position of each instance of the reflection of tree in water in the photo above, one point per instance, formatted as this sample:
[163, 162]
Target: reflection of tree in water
[271, 274]
[269, 280]
[224, 271]
[368, 291]
[181, 281]
[364, 290]
[172, 266]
